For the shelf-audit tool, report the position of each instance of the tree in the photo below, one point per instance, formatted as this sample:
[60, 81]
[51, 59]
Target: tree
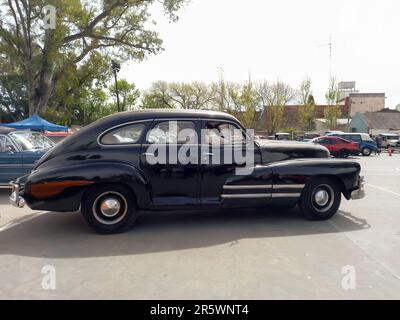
[245, 103]
[157, 97]
[194, 95]
[332, 111]
[117, 28]
[307, 108]
[13, 105]
[275, 97]
[128, 94]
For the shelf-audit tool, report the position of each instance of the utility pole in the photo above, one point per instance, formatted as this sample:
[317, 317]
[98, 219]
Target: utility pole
[330, 44]
[116, 67]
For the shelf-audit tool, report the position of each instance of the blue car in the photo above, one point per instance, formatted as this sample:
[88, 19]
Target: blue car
[367, 145]
[19, 150]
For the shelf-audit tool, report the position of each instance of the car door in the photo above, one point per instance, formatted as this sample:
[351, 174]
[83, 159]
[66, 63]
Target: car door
[10, 161]
[169, 158]
[221, 178]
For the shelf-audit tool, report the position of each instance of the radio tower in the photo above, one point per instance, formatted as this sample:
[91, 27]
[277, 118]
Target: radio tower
[330, 44]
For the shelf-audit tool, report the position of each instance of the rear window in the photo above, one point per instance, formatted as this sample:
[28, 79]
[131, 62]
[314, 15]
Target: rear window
[129, 134]
[351, 137]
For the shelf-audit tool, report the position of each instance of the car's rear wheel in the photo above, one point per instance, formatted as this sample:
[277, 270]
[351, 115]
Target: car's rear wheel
[344, 154]
[366, 152]
[109, 209]
[320, 199]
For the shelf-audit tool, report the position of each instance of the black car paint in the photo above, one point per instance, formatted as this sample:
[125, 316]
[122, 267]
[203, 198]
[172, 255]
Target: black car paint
[80, 158]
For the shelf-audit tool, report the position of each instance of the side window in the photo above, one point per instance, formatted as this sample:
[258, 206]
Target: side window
[173, 132]
[2, 144]
[129, 134]
[355, 138]
[324, 141]
[223, 133]
[9, 146]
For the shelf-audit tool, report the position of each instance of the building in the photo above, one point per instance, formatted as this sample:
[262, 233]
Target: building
[358, 101]
[374, 123]
[291, 117]
[365, 102]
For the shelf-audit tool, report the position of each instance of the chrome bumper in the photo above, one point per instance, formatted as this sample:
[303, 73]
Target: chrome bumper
[15, 199]
[359, 193]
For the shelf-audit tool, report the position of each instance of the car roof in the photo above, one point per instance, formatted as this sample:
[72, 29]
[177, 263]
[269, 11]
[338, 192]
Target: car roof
[390, 134]
[171, 113]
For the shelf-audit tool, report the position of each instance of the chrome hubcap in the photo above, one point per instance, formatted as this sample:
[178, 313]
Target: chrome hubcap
[110, 207]
[321, 197]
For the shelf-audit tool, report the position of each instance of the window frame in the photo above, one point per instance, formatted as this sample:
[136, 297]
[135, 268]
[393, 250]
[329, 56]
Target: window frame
[10, 141]
[138, 143]
[237, 124]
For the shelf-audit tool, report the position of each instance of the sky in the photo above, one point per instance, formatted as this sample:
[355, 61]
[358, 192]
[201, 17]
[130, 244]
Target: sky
[283, 40]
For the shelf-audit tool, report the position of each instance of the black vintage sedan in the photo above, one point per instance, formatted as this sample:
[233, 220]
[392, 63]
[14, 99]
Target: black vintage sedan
[112, 169]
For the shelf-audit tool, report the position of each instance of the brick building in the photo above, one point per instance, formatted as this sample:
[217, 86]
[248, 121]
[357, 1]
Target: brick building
[291, 115]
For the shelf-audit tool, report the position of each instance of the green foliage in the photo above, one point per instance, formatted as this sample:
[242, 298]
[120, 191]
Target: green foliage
[128, 95]
[333, 111]
[275, 97]
[307, 108]
[85, 33]
[246, 102]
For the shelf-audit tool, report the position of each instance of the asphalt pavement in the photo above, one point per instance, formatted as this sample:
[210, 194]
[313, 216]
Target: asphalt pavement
[245, 254]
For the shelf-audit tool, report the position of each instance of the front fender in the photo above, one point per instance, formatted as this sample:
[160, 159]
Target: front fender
[61, 188]
[301, 171]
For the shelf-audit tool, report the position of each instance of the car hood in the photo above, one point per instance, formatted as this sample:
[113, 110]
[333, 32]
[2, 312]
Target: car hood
[274, 151]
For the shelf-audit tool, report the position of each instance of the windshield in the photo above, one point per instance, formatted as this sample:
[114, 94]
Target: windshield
[30, 141]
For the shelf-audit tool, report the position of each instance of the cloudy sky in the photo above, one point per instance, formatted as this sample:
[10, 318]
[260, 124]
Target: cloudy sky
[280, 39]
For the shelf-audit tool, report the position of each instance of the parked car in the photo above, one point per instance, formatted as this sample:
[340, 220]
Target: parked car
[57, 137]
[389, 139]
[282, 136]
[339, 147]
[365, 142]
[107, 171]
[308, 136]
[19, 150]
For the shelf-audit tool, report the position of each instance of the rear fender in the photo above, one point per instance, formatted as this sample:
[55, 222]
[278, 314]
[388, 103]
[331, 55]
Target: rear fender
[62, 188]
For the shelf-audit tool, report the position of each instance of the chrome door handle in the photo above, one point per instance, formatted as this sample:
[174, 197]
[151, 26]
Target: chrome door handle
[147, 154]
[210, 154]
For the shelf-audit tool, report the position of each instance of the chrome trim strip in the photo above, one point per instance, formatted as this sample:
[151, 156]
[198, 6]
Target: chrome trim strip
[289, 186]
[245, 196]
[242, 187]
[286, 195]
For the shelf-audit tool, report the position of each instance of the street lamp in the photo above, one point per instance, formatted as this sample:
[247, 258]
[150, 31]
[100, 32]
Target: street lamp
[116, 67]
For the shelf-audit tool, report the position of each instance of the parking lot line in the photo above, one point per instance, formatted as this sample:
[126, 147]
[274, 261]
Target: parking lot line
[16, 222]
[365, 250]
[383, 189]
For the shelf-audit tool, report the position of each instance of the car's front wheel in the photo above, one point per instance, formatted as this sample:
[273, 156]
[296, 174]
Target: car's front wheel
[320, 199]
[109, 208]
